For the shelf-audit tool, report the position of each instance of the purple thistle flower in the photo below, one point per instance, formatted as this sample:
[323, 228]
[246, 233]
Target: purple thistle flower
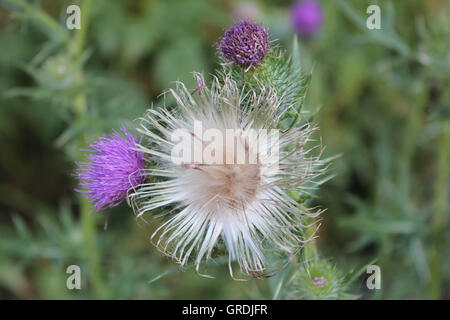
[306, 17]
[245, 43]
[113, 168]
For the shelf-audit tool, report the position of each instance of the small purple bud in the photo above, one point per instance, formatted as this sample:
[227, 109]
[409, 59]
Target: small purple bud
[306, 17]
[245, 43]
[320, 282]
[113, 168]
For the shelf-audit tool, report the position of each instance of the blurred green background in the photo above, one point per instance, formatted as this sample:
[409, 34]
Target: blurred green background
[383, 102]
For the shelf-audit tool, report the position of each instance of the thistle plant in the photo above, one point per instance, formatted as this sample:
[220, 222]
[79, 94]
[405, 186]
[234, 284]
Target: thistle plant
[245, 211]
[385, 108]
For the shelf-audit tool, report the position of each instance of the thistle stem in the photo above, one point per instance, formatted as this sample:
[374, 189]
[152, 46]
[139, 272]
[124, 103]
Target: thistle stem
[310, 249]
[439, 220]
[88, 222]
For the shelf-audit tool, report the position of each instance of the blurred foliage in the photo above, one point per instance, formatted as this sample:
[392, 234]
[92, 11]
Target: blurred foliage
[384, 101]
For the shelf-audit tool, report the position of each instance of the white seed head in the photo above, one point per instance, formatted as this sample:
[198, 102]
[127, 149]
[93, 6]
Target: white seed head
[234, 202]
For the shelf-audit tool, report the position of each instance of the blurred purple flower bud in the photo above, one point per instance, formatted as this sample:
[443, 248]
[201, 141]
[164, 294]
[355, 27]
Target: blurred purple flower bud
[113, 168]
[306, 17]
[245, 43]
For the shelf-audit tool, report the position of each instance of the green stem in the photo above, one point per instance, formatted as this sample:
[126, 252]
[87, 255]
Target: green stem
[88, 222]
[439, 220]
[310, 250]
[411, 134]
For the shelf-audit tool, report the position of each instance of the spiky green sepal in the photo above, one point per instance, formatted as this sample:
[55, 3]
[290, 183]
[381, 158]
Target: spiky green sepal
[319, 280]
[277, 71]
